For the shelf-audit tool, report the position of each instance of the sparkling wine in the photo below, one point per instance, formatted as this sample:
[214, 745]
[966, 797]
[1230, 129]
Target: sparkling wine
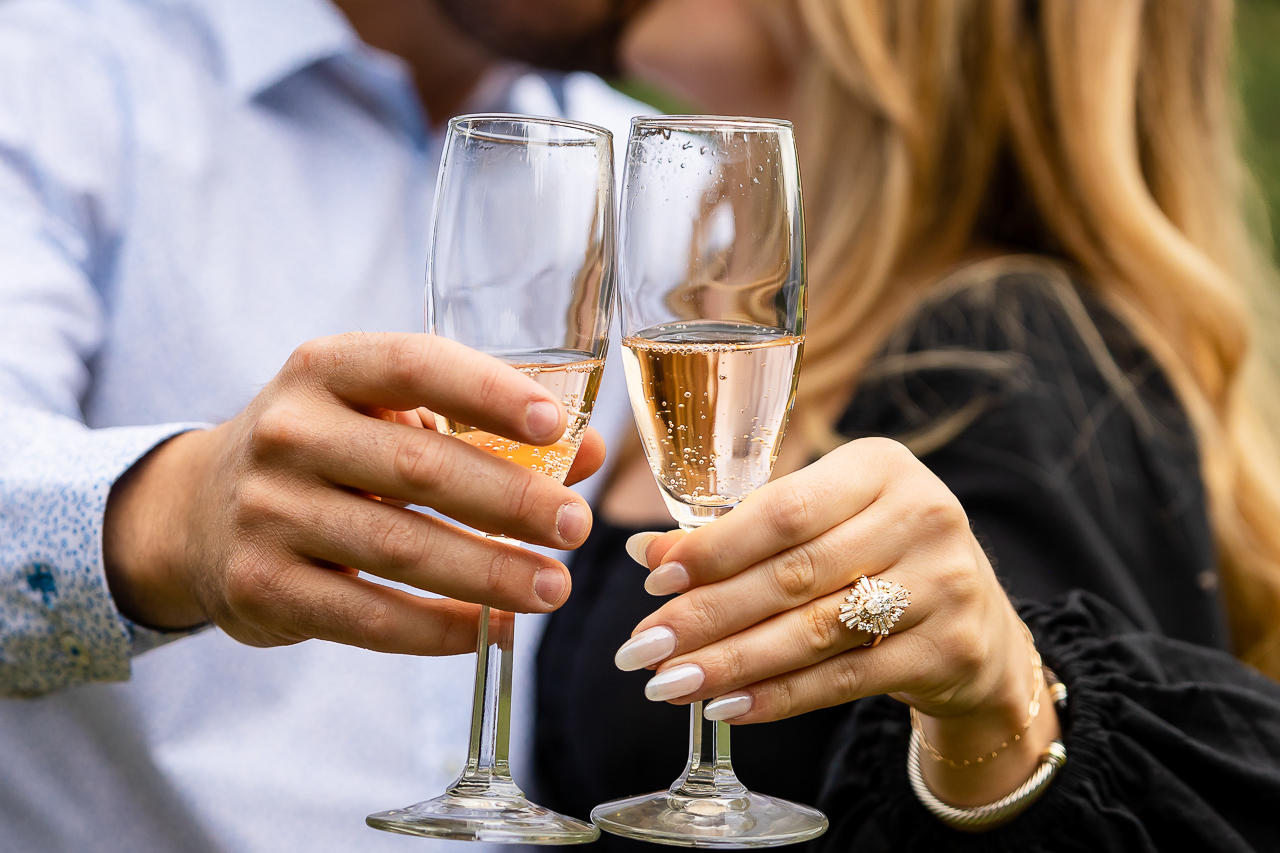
[711, 400]
[572, 376]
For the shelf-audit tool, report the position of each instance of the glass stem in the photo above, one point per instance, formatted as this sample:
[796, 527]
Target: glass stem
[709, 772]
[488, 773]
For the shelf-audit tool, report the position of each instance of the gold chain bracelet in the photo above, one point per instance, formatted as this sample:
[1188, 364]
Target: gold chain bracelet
[1033, 711]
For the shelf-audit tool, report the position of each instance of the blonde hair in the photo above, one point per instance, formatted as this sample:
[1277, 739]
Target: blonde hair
[1100, 130]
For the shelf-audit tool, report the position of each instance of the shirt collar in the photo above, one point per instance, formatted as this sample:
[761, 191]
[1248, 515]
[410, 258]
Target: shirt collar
[262, 42]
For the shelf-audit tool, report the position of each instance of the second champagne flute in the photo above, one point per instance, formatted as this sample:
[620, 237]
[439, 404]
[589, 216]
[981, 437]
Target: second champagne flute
[521, 268]
[712, 297]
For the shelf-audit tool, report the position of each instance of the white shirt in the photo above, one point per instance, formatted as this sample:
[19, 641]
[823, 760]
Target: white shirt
[188, 190]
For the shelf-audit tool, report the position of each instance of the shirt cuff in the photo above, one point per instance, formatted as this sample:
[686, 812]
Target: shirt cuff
[59, 625]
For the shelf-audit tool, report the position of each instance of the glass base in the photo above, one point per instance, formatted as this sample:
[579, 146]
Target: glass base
[749, 820]
[499, 821]
[693, 516]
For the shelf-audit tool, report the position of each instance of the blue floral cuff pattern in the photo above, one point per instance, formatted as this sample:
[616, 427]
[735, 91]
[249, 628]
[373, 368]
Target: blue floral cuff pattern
[58, 623]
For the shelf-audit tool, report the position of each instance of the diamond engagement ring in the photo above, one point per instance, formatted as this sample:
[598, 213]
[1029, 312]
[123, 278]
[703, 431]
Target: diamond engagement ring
[874, 606]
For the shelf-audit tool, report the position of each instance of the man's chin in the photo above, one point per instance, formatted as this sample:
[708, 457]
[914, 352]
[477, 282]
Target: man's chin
[569, 35]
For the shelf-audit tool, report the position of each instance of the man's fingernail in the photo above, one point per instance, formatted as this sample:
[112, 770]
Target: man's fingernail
[646, 649]
[727, 707]
[678, 681]
[573, 522]
[667, 579]
[549, 585]
[542, 417]
[638, 544]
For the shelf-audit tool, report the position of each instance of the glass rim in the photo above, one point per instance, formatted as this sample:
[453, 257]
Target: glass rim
[711, 122]
[592, 134]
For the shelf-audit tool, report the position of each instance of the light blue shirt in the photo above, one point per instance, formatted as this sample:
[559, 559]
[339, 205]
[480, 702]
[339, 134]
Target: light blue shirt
[188, 190]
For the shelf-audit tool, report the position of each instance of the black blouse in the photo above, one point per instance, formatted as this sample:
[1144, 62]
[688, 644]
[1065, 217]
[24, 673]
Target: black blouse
[1078, 471]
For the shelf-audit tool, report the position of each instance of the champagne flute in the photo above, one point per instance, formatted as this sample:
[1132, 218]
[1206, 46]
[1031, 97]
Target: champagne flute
[712, 295]
[521, 267]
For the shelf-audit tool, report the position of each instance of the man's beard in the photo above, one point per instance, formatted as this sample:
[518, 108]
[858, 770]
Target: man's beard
[548, 40]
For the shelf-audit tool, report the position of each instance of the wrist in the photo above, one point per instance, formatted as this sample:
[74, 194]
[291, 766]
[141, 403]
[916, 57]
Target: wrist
[987, 752]
[145, 533]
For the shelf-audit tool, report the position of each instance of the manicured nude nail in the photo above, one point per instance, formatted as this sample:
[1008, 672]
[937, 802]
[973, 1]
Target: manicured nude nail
[638, 544]
[667, 579]
[542, 418]
[678, 681]
[549, 584]
[646, 649]
[573, 520]
[727, 707]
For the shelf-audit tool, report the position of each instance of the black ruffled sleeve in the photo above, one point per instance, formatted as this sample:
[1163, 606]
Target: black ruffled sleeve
[1073, 475]
[1170, 746]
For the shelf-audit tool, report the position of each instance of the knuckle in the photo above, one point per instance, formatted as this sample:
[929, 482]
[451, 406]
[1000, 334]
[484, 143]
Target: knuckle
[790, 513]
[258, 506]
[970, 656]
[489, 385]
[845, 677]
[301, 359]
[961, 589]
[523, 497]
[454, 632]
[312, 358]
[967, 648]
[249, 587]
[779, 697]
[279, 427]
[940, 514]
[819, 630]
[886, 448]
[421, 460]
[730, 664]
[896, 450]
[703, 611]
[370, 621]
[404, 360]
[502, 570]
[795, 574]
[402, 538]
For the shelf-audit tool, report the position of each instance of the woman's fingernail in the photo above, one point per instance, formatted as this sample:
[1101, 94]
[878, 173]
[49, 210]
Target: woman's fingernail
[549, 584]
[638, 544]
[678, 681]
[646, 648]
[541, 418]
[573, 521]
[727, 707]
[667, 579]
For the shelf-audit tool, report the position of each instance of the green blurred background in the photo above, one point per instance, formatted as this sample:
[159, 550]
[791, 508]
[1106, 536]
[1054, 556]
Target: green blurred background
[1258, 70]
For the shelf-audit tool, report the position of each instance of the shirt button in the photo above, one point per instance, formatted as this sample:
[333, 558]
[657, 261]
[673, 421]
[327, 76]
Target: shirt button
[71, 648]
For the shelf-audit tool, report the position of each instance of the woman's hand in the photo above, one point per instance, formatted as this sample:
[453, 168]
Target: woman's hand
[757, 629]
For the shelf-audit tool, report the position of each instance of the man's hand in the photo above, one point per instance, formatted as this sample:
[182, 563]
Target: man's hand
[262, 524]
